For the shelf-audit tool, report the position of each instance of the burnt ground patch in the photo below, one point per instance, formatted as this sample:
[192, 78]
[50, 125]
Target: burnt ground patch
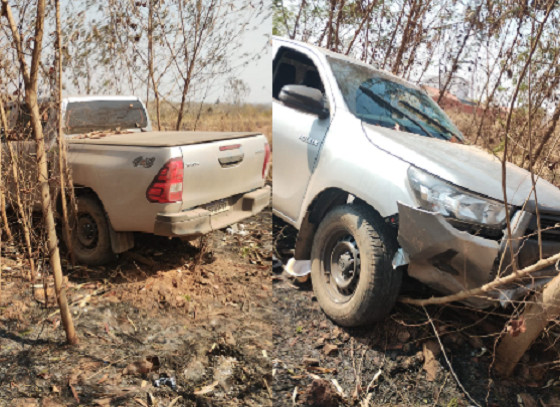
[399, 361]
[194, 318]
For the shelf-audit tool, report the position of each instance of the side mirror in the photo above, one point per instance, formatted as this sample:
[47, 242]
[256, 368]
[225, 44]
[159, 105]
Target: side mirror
[304, 98]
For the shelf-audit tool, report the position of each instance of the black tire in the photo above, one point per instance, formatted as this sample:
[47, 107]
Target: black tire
[91, 242]
[351, 272]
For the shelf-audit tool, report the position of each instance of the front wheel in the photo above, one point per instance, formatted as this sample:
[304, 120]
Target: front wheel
[351, 270]
[91, 242]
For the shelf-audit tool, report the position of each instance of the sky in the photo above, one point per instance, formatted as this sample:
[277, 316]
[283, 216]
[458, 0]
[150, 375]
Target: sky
[258, 75]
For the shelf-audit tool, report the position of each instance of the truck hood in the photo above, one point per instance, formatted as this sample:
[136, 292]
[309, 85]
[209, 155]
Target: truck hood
[466, 166]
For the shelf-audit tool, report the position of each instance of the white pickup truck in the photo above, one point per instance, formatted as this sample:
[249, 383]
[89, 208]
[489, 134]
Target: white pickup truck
[376, 179]
[176, 184]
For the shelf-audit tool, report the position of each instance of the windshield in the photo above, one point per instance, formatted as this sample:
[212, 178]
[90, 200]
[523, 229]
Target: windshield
[377, 99]
[101, 115]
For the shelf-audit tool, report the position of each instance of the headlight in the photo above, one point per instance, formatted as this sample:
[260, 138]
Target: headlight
[436, 195]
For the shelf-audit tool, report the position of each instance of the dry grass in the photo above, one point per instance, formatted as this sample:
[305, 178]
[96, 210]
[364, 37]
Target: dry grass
[216, 117]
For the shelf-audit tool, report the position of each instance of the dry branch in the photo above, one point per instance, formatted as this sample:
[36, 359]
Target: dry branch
[5, 225]
[462, 295]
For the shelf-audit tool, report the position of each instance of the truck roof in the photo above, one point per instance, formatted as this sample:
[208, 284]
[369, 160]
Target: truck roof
[349, 59]
[98, 97]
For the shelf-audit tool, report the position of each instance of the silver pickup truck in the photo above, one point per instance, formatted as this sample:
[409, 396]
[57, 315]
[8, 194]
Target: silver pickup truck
[376, 178]
[176, 184]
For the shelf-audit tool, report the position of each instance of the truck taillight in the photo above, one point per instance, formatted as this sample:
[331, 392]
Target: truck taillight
[167, 186]
[266, 159]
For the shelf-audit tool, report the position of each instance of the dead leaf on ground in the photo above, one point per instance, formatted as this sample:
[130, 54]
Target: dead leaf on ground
[141, 402]
[329, 349]
[74, 392]
[321, 393]
[527, 400]
[105, 401]
[322, 370]
[206, 389]
[48, 402]
[431, 349]
[142, 366]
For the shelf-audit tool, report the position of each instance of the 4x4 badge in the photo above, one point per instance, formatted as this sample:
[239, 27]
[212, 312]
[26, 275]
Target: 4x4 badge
[144, 162]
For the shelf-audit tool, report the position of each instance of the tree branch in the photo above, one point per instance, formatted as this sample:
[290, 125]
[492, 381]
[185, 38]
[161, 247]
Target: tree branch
[541, 264]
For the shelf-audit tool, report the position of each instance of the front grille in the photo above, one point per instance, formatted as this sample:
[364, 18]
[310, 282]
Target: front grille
[550, 227]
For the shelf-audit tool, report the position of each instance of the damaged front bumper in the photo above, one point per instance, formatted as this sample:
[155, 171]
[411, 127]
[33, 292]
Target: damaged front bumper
[450, 260]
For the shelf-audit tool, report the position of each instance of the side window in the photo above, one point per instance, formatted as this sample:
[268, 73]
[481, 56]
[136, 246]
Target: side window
[294, 68]
[19, 120]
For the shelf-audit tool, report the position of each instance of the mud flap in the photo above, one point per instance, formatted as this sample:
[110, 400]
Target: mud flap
[120, 241]
[442, 257]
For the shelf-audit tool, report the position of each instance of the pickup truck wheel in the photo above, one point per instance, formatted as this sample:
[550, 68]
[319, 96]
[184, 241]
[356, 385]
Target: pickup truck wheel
[91, 243]
[351, 270]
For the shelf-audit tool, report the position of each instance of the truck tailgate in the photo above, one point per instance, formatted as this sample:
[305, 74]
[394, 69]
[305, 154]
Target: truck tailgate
[220, 169]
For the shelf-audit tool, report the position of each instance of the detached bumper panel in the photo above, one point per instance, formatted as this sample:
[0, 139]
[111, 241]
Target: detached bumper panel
[441, 256]
[201, 220]
[450, 260]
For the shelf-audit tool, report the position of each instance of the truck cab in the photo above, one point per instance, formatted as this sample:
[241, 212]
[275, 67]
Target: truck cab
[379, 182]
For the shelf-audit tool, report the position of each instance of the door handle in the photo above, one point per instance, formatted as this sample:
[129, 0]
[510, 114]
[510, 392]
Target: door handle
[231, 160]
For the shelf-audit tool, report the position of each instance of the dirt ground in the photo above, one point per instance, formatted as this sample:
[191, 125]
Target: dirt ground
[171, 324]
[400, 361]
[167, 324]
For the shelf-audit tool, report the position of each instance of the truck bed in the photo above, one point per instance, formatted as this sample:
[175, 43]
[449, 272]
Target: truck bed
[159, 139]
[119, 168]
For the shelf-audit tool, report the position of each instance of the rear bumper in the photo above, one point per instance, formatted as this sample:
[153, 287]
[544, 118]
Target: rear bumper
[199, 221]
[450, 260]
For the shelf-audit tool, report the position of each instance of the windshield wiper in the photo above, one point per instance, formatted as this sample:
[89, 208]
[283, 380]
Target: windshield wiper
[385, 103]
[428, 118]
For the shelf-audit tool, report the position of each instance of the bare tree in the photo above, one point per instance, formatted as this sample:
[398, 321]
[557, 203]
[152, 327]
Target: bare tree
[30, 77]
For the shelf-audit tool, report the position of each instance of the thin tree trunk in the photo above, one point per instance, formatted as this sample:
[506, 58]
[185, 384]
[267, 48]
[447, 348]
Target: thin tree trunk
[410, 24]
[390, 46]
[490, 97]
[62, 160]
[508, 124]
[21, 211]
[296, 24]
[546, 137]
[31, 79]
[455, 64]
[2, 202]
[338, 22]
[5, 224]
[538, 313]
[151, 60]
[191, 63]
[330, 24]
[365, 18]
[3, 215]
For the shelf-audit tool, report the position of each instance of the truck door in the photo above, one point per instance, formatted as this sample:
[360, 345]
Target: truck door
[297, 135]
